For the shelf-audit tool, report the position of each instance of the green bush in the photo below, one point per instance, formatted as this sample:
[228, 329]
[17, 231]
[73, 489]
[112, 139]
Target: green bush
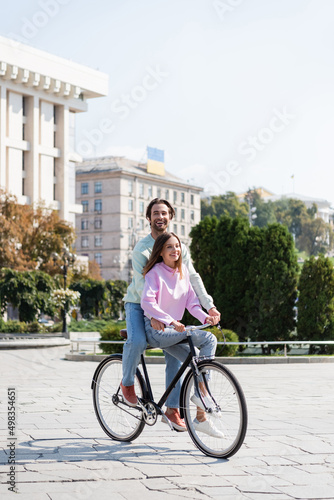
[111, 332]
[13, 326]
[34, 327]
[225, 350]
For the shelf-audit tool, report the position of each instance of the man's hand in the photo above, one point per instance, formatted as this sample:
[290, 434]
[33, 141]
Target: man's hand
[179, 327]
[215, 315]
[157, 325]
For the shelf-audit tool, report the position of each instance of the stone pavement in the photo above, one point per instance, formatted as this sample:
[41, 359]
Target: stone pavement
[62, 453]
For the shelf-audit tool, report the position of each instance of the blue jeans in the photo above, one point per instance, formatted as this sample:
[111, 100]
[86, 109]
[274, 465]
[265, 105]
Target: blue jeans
[167, 340]
[135, 346]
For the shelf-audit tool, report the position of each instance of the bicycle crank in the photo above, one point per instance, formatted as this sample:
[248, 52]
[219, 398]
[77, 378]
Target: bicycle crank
[149, 413]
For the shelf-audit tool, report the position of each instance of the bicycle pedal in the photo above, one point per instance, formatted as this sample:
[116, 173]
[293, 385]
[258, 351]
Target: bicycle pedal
[166, 420]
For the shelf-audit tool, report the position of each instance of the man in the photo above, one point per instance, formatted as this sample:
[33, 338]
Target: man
[159, 213]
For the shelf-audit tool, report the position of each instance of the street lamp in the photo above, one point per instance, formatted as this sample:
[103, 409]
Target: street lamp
[67, 258]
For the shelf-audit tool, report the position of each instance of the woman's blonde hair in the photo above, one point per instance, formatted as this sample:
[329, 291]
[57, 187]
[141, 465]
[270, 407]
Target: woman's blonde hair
[156, 253]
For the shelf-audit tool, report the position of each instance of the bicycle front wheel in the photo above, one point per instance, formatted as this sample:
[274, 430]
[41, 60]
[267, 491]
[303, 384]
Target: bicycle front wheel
[225, 428]
[118, 420]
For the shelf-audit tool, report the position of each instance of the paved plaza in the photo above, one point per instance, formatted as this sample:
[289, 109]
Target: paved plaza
[61, 452]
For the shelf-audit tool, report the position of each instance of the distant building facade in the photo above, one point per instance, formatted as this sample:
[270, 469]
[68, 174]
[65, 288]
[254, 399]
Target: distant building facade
[39, 97]
[114, 193]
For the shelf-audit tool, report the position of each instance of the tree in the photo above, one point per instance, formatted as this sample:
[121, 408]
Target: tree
[227, 205]
[115, 292]
[275, 272]
[292, 213]
[252, 274]
[316, 237]
[29, 291]
[316, 302]
[264, 209]
[29, 235]
[92, 296]
[203, 248]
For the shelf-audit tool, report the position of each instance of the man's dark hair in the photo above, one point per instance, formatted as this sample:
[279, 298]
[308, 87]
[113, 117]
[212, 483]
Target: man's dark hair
[159, 201]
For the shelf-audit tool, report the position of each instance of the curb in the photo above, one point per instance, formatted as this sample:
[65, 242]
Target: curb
[33, 343]
[160, 360]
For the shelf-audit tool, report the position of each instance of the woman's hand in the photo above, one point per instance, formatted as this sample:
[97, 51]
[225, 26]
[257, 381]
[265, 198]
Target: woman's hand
[179, 327]
[157, 325]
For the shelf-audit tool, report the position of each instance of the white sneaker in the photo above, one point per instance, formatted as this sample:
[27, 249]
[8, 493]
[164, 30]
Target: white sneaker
[209, 404]
[208, 428]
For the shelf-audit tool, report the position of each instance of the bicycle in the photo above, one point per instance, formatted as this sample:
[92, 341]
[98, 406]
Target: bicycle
[224, 401]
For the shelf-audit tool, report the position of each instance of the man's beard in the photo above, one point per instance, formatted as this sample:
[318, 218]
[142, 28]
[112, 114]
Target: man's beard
[161, 228]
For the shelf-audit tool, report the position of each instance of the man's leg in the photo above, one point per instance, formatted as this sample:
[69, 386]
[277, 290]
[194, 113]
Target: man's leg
[136, 342]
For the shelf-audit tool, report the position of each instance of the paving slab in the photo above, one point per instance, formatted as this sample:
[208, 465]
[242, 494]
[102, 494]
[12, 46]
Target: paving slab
[62, 452]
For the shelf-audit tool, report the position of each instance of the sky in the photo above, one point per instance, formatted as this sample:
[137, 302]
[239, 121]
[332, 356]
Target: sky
[238, 93]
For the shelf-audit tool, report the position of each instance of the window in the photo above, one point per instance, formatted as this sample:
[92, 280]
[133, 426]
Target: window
[84, 241]
[54, 167]
[98, 258]
[130, 187]
[84, 206]
[24, 106]
[175, 196]
[192, 215]
[158, 192]
[98, 241]
[98, 205]
[191, 199]
[183, 232]
[130, 205]
[141, 190]
[84, 188]
[167, 194]
[182, 213]
[182, 197]
[141, 224]
[98, 187]
[175, 209]
[84, 224]
[98, 223]
[175, 228]
[150, 192]
[141, 208]
[130, 222]
[23, 187]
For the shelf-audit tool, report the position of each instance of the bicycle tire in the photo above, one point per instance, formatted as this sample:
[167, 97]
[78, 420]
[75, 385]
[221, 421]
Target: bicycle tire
[231, 420]
[118, 420]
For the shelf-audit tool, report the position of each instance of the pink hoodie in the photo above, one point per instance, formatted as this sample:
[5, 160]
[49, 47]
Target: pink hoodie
[165, 296]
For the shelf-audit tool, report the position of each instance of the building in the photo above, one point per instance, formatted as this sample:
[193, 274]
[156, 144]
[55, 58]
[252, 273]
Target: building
[114, 193]
[39, 97]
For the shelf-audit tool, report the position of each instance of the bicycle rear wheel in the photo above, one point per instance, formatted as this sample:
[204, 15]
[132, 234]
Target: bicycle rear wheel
[228, 421]
[118, 420]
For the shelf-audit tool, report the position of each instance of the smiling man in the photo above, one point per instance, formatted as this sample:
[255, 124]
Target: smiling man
[159, 213]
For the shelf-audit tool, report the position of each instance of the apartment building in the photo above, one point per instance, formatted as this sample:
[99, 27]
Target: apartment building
[114, 193]
[40, 95]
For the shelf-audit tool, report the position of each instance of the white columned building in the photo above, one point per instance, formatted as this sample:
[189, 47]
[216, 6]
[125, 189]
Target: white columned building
[39, 97]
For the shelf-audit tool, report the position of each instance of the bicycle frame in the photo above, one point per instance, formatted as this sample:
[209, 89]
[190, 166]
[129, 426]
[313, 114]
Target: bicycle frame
[189, 361]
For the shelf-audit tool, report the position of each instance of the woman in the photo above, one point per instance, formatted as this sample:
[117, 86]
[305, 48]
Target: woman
[167, 293]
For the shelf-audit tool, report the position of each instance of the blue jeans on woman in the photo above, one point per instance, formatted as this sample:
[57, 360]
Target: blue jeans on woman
[135, 346]
[168, 340]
